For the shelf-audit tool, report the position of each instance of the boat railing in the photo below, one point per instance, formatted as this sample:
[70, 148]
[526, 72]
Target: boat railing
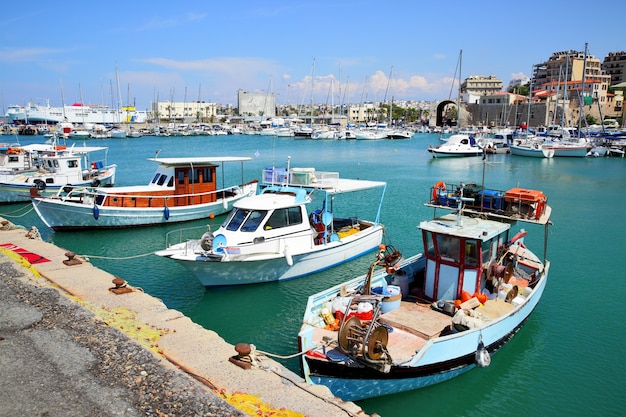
[174, 237]
[160, 198]
[299, 177]
[513, 205]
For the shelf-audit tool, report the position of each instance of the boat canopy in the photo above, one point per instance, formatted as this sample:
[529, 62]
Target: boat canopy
[199, 160]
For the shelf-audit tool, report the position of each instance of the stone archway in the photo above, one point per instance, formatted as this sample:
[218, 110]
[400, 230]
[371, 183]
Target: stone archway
[440, 108]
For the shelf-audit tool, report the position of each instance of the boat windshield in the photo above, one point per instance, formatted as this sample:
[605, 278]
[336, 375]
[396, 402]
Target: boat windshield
[248, 220]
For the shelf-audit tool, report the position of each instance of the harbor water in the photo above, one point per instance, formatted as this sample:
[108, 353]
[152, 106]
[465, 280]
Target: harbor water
[566, 360]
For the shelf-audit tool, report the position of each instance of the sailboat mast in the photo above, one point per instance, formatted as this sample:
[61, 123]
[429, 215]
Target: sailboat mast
[582, 92]
[458, 102]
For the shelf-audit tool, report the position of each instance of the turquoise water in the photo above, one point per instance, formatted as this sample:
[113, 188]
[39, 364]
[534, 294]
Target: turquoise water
[567, 360]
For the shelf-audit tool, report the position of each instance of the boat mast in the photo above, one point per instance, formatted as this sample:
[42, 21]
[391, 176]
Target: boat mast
[458, 101]
[119, 95]
[582, 93]
[563, 118]
[530, 95]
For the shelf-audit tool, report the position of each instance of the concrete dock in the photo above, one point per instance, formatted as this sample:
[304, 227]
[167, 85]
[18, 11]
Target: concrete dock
[184, 353]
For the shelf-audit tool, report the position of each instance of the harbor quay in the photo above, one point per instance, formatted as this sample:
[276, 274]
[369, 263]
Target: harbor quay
[76, 341]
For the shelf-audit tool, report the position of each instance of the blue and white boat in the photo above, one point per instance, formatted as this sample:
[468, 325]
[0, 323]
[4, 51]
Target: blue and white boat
[289, 230]
[411, 323]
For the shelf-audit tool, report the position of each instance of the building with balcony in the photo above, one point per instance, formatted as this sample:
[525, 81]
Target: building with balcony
[576, 83]
[476, 86]
[614, 65]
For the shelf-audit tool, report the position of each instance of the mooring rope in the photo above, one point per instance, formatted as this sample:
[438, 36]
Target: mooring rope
[113, 258]
[15, 211]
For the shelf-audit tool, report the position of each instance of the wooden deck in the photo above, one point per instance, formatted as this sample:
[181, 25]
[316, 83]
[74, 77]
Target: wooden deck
[417, 318]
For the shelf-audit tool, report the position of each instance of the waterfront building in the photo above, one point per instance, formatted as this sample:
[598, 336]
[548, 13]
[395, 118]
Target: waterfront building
[614, 65]
[476, 86]
[182, 112]
[256, 104]
[578, 84]
[362, 113]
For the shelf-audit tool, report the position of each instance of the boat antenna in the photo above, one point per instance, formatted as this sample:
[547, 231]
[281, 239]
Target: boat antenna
[156, 154]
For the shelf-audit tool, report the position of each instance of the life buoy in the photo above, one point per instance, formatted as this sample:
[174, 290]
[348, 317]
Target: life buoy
[439, 186]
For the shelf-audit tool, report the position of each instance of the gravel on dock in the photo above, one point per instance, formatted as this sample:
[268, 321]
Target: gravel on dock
[58, 359]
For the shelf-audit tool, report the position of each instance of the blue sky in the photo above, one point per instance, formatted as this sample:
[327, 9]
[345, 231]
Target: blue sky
[207, 50]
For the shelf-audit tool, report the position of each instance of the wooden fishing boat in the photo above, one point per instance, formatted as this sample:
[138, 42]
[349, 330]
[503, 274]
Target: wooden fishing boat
[411, 323]
[182, 189]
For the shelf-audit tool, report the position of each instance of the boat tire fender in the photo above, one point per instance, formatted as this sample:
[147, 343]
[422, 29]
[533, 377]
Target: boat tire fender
[95, 183]
[40, 185]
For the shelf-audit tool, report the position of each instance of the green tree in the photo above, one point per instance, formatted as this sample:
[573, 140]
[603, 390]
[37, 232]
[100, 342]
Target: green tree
[522, 90]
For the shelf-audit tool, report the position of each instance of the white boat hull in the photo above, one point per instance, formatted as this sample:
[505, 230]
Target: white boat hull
[17, 190]
[65, 215]
[531, 151]
[274, 267]
[459, 154]
[571, 151]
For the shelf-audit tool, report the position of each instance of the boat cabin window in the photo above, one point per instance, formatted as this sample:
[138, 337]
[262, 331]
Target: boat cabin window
[162, 179]
[207, 175]
[249, 220]
[486, 246]
[471, 252]
[449, 248]
[53, 163]
[253, 221]
[181, 177]
[72, 163]
[235, 220]
[194, 176]
[453, 249]
[170, 183]
[284, 217]
[13, 159]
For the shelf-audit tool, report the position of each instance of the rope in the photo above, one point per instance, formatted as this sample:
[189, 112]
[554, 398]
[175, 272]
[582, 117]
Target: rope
[273, 355]
[21, 215]
[113, 258]
[331, 401]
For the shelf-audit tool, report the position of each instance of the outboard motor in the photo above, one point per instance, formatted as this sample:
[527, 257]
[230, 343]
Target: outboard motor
[206, 241]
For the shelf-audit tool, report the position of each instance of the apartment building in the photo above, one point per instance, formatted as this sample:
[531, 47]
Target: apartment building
[614, 65]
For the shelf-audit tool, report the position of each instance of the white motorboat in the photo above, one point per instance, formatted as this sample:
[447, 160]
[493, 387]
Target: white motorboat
[76, 166]
[287, 231]
[458, 145]
[182, 189]
[370, 134]
[411, 323]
